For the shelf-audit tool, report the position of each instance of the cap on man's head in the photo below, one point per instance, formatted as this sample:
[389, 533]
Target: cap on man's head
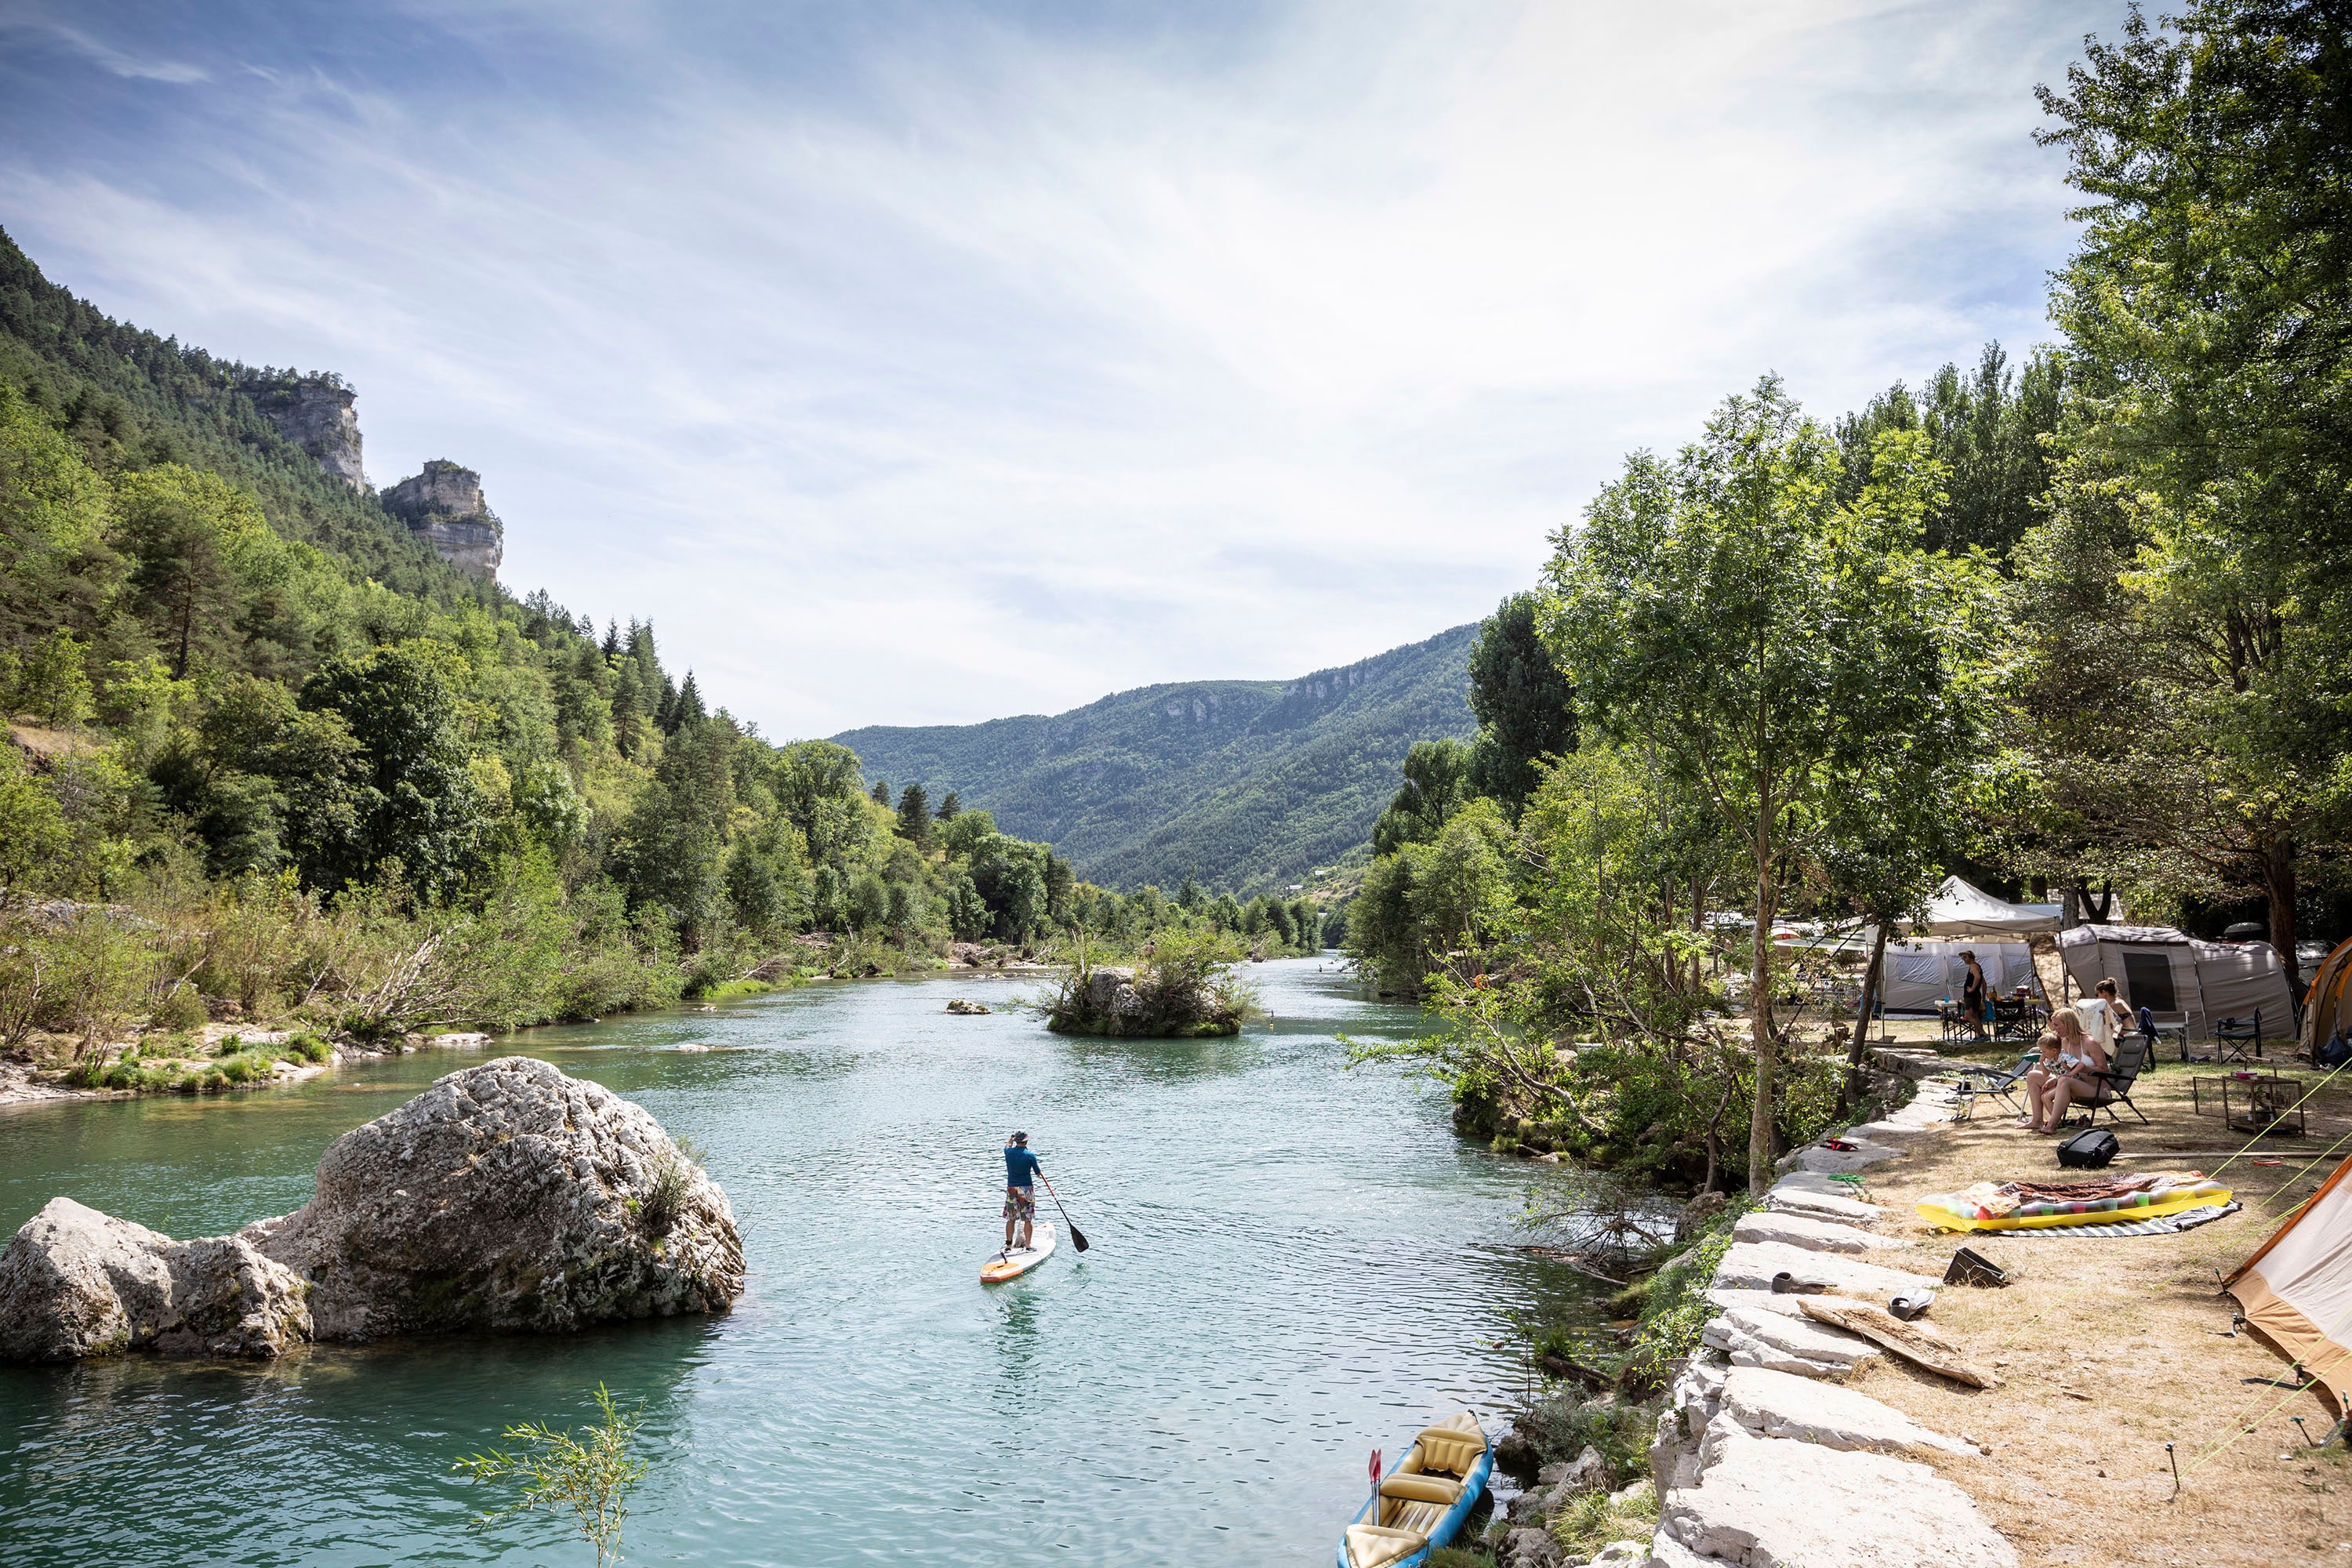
[1021, 1137]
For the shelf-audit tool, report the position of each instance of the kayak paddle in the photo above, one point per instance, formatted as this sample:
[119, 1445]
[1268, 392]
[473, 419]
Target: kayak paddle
[1076, 1234]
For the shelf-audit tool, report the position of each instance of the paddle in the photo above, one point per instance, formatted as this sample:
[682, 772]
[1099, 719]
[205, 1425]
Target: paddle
[1076, 1234]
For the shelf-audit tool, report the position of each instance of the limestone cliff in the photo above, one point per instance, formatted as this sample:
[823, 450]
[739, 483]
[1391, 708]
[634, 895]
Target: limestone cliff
[314, 412]
[444, 506]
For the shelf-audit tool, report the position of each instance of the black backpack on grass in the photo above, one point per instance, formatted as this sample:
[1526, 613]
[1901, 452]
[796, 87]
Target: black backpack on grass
[2089, 1150]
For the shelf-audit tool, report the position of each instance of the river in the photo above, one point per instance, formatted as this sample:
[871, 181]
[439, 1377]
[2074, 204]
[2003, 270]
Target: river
[1291, 1264]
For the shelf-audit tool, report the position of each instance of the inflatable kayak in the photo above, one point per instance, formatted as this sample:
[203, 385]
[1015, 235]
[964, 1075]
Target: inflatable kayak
[1004, 1265]
[1423, 1500]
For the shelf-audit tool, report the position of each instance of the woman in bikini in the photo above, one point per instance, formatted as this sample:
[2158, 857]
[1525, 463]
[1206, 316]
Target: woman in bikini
[2080, 1061]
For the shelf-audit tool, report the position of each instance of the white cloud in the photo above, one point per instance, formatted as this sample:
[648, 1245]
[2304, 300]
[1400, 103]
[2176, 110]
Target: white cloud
[1015, 367]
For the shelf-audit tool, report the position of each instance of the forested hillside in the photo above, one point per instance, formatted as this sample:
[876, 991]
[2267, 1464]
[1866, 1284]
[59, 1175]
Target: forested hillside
[268, 756]
[1245, 784]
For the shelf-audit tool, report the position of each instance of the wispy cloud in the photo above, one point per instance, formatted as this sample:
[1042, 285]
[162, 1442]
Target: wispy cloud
[914, 364]
[106, 56]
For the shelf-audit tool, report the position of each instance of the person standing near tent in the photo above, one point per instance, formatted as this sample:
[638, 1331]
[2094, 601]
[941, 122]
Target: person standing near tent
[2104, 1016]
[1976, 997]
[1021, 1168]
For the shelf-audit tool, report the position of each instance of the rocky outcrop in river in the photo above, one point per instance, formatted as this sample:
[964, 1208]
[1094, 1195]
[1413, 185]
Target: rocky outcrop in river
[507, 1196]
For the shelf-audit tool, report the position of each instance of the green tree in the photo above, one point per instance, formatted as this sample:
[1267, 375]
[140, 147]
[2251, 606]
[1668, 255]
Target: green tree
[409, 797]
[1525, 710]
[2208, 311]
[1724, 610]
[915, 815]
[1436, 785]
[948, 806]
[185, 532]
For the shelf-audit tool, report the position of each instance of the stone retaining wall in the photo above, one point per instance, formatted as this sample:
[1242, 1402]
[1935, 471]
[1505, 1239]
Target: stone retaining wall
[1761, 1459]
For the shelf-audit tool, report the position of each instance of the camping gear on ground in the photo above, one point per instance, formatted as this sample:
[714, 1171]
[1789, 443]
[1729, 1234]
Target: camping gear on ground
[2256, 1105]
[2130, 1058]
[1787, 1284]
[2166, 1224]
[2092, 1149]
[2325, 1012]
[1421, 1503]
[1014, 1262]
[2168, 973]
[2232, 1036]
[1970, 1266]
[2335, 1052]
[1914, 1342]
[2296, 1289]
[2033, 1205]
[1077, 1237]
[1910, 1304]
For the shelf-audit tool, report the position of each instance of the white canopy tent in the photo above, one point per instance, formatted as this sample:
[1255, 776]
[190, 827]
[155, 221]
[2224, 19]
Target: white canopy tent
[1959, 910]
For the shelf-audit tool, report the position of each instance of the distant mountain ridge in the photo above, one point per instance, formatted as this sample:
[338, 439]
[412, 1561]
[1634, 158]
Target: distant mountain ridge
[1247, 785]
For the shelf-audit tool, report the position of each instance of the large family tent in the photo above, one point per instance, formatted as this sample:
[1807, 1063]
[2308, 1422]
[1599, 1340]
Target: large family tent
[1919, 974]
[2296, 1289]
[1959, 910]
[2176, 977]
[2324, 1010]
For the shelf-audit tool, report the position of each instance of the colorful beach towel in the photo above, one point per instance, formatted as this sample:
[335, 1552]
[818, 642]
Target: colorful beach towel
[2035, 1206]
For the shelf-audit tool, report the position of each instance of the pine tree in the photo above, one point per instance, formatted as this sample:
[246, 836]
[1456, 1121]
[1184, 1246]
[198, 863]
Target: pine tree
[688, 709]
[950, 807]
[915, 815]
[882, 791]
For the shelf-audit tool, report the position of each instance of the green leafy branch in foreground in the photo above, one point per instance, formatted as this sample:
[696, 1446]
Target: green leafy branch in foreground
[592, 1478]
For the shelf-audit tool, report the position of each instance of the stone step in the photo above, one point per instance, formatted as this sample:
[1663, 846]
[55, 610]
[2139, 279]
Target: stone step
[1812, 1235]
[1777, 1405]
[1751, 1265]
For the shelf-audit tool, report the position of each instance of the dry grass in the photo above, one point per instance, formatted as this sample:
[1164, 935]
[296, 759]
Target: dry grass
[2111, 1348]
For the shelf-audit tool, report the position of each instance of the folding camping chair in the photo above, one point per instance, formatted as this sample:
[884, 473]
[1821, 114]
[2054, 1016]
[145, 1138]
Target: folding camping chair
[2130, 1058]
[1993, 1083]
[2232, 1036]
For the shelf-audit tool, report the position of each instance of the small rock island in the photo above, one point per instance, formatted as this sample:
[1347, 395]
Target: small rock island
[508, 1196]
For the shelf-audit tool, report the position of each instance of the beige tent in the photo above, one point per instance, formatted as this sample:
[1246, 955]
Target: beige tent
[1959, 909]
[2175, 976]
[2296, 1289]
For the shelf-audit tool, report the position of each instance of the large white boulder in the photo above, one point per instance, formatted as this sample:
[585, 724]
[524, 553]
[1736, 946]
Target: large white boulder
[1822, 1205]
[508, 1196]
[75, 1283]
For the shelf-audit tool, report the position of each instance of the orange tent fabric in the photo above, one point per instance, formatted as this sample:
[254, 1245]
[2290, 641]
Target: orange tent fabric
[2324, 1009]
[2296, 1289]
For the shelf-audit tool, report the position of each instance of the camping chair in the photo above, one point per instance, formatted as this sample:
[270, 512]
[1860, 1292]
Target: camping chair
[1996, 1084]
[2232, 1036]
[2132, 1053]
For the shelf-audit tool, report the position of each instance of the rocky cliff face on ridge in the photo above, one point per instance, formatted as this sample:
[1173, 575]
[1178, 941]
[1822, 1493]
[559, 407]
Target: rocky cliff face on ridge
[314, 412]
[507, 1196]
[444, 506]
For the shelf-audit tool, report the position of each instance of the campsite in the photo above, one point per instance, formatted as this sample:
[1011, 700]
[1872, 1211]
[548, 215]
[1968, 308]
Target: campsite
[2106, 1347]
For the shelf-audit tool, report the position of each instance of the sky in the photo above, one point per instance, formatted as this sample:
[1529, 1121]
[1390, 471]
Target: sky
[929, 362]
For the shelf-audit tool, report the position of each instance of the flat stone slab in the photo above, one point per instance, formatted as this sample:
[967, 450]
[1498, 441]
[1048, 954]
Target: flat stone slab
[1812, 1182]
[1779, 1404]
[1822, 1205]
[1835, 1161]
[1797, 1346]
[1814, 1235]
[1759, 1301]
[1765, 1503]
[1751, 1265]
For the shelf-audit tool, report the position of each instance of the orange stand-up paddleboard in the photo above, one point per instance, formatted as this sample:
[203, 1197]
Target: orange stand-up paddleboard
[1004, 1265]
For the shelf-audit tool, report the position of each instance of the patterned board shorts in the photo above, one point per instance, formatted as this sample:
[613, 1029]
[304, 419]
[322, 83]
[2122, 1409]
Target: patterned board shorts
[1019, 1203]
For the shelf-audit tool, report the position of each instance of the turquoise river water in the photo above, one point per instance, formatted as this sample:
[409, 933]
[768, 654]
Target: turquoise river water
[1292, 1264]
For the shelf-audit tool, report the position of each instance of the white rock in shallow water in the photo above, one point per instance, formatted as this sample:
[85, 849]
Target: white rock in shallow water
[507, 1196]
[1814, 1235]
[1775, 1405]
[1766, 1501]
[75, 1283]
[1751, 1265]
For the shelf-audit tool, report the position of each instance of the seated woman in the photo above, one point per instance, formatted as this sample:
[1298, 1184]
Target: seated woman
[2081, 1059]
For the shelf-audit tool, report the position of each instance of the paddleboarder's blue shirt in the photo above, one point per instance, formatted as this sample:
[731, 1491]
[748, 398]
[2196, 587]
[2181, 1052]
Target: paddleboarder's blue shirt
[1019, 1165]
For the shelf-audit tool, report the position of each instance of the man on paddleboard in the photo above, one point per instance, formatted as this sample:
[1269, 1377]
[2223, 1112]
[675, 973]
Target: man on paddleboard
[1020, 1189]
